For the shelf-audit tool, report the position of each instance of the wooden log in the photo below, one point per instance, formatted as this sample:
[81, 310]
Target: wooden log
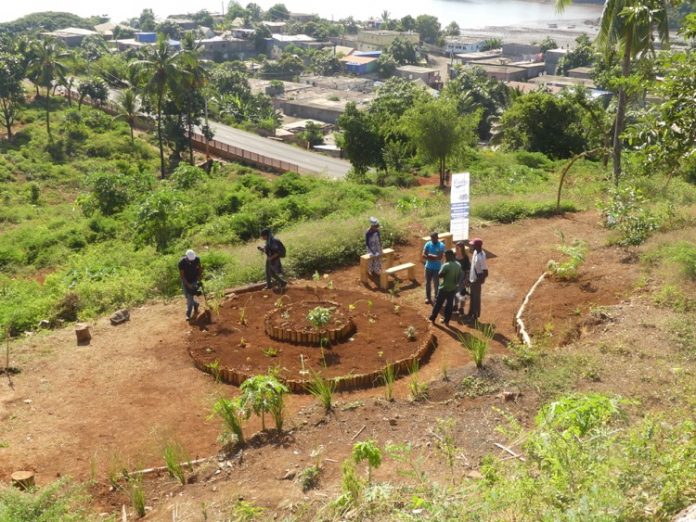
[82, 333]
[23, 480]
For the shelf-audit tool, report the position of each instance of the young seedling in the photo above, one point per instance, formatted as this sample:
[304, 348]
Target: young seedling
[271, 352]
[322, 389]
[319, 316]
[280, 302]
[410, 333]
[418, 390]
[369, 452]
[309, 477]
[233, 414]
[388, 378]
[242, 316]
[214, 369]
[243, 343]
[174, 454]
[265, 394]
[444, 441]
[477, 346]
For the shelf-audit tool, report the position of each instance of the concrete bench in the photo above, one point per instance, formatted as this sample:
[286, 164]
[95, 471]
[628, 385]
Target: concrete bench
[387, 261]
[409, 268]
[445, 237]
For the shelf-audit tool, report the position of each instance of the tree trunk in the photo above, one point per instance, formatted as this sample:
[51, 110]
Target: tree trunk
[621, 112]
[48, 113]
[8, 126]
[132, 134]
[190, 138]
[442, 173]
[159, 136]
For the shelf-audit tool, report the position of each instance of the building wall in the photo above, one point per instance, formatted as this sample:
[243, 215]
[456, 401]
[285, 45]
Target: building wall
[299, 109]
[383, 38]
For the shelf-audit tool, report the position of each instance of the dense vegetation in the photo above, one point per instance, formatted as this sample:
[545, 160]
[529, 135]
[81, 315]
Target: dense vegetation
[95, 216]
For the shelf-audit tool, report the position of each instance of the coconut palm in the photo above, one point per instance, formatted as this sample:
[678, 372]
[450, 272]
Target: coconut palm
[44, 67]
[160, 70]
[128, 107]
[628, 25]
[193, 81]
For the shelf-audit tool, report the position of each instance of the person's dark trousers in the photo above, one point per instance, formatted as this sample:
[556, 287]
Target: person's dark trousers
[274, 272]
[446, 298]
[431, 282]
[191, 303]
[474, 301]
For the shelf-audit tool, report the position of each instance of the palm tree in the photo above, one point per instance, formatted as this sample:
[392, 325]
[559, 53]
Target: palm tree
[160, 68]
[628, 25]
[45, 67]
[194, 79]
[128, 110]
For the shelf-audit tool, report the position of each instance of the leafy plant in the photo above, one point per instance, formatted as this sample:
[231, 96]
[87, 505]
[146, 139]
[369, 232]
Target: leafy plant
[271, 352]
[319, 316]
[309, 477]
[410, 333]
[174, 454]
[265, 394]
[322, 389]
[444, 437]
[367, 451]
[233, 414]
[214, 369]
[244, 511]
[568, 270]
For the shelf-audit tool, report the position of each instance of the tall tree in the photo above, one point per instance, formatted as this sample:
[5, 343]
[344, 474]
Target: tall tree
[45, 67]
[146, 22]
[628, 25]
[193, 81]
[437, 131]
[360, 139]
[11, 92]
[160, 70]
[128, 109]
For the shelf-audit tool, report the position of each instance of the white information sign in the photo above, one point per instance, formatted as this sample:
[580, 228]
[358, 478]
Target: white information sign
[459, 206]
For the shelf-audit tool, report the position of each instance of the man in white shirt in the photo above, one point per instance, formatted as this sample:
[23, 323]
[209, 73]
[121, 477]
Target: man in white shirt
[477, 276]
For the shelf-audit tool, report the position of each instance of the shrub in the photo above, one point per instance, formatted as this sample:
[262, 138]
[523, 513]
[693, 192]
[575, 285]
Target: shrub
[627, 212]
[59, 500]
[187, 176]
[568, 270]
[367, 451]
[511, 211]
[265, 394]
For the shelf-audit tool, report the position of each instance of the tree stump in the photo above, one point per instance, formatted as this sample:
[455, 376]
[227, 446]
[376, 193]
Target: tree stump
[23, 479]
[82, 334]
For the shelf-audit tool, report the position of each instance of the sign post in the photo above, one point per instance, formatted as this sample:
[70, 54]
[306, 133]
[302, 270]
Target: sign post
[459, 206]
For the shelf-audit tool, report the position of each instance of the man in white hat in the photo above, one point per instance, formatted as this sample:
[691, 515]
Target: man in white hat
[373, 241]
[190, 271]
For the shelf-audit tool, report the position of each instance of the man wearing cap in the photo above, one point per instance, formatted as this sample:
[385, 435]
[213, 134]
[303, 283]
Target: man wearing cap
[449, 274]
[190, 271]
[432, 254]
[373, 241]
[477, 276]
[274, 250]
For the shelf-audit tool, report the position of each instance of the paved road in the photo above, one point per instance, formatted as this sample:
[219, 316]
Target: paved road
[309, 162]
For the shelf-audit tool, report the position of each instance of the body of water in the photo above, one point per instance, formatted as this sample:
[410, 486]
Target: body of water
[467, 13]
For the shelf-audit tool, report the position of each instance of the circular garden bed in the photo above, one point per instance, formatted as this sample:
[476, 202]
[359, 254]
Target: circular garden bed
[347, 336]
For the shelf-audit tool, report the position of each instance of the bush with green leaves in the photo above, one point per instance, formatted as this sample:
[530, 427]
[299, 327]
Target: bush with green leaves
[60, 500]
[263, 394]
[628, 212]
[568, 270]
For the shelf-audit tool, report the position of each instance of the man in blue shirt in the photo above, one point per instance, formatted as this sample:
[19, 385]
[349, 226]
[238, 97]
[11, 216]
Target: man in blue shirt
[432, 255]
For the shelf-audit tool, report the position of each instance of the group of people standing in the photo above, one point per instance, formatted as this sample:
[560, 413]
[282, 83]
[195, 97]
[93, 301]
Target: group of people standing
[448, 281]
[454, 279]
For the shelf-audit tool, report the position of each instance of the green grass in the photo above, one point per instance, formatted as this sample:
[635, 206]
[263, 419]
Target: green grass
[59, 501]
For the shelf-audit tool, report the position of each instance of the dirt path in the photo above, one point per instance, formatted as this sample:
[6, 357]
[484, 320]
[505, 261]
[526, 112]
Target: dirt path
[75, 410]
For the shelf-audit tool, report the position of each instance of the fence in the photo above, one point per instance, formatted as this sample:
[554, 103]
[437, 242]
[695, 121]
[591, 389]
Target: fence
[226, 151]
[215, 147]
